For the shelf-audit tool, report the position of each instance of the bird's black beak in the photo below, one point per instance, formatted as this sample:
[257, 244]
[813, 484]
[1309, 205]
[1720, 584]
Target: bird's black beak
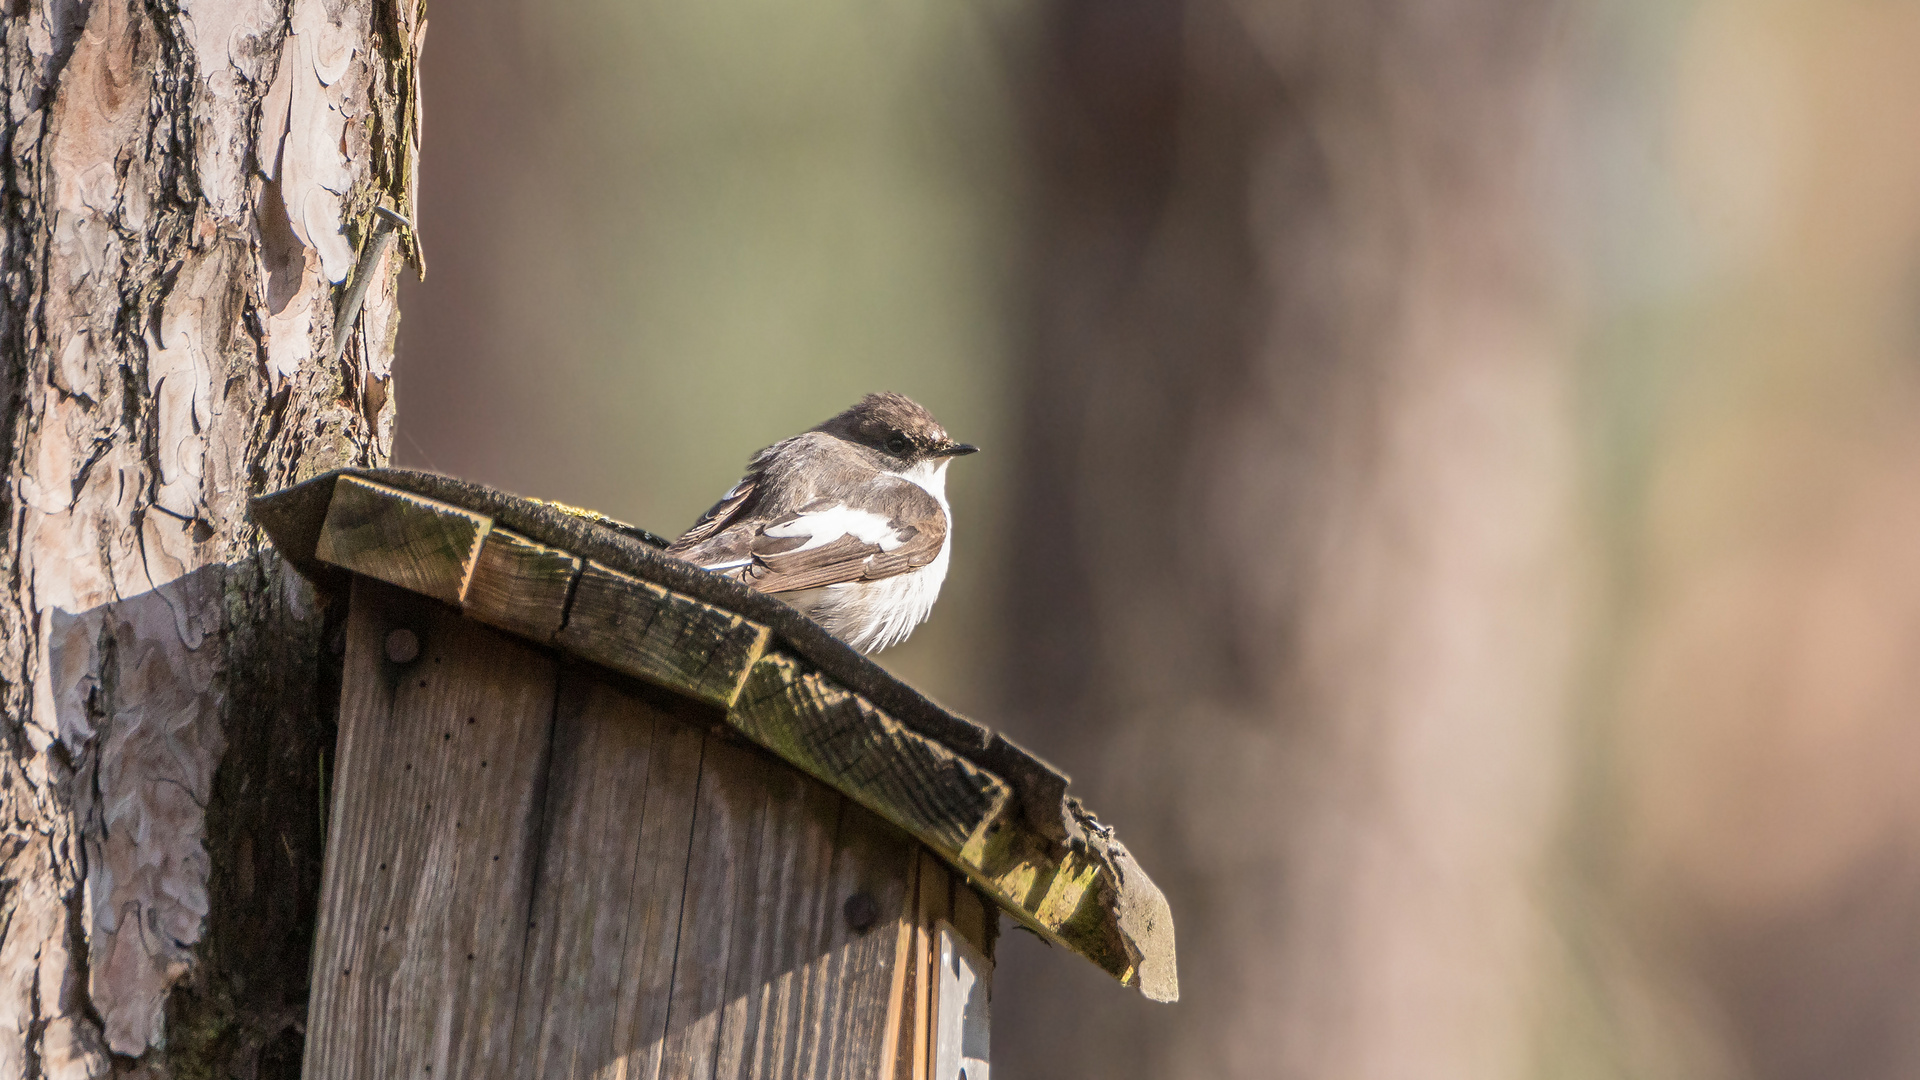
[959, 449]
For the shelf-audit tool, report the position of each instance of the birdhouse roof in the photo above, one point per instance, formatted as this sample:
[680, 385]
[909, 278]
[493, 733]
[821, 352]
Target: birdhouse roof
[605, 592]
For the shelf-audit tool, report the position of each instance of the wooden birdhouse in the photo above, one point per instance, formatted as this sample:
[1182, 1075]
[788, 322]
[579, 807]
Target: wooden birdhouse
[597, 812]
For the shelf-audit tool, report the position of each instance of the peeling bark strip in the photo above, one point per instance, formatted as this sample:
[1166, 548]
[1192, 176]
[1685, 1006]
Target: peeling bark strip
[186, 187]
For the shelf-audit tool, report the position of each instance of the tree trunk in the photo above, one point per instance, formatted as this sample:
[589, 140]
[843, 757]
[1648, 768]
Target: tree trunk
[1295, 532]
[188, 185]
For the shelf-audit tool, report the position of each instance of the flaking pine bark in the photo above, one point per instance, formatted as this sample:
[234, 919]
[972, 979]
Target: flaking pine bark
[187, 185]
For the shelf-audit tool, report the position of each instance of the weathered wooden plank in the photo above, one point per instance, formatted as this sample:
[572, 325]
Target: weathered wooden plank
[851, 982]
[786, 929]
[655, 914]
[618, 813]
[640, 629]
[430, 848]
[972, 916]
[936, 896]
[519, 585]
[772, 981]
[1092, 900]
[1066, 890]
[1058, 894]
[420, 545]
[897, 1045]
[841, 738]
[729, 810]
[1014, 865]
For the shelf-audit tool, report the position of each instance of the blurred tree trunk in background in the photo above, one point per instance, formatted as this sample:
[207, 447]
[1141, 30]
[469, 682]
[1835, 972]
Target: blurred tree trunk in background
[186, 187]
[1296, 583]
[1757, 835]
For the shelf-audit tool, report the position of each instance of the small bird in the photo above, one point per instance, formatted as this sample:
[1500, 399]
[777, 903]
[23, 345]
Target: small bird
[847, 522]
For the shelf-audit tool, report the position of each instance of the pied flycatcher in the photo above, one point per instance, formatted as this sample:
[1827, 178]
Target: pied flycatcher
[848, 522]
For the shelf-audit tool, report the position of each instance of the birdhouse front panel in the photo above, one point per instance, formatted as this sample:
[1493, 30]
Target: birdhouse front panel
[537, 867]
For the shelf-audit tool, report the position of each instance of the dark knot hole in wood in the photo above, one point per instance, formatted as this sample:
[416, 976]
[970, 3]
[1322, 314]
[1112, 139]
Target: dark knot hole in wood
[861, 912]
[403, 646]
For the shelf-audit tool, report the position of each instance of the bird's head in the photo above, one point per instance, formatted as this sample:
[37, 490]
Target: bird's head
[898, 428]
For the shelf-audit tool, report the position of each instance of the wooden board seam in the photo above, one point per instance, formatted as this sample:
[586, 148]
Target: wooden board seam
[538, 862]
[686, 877]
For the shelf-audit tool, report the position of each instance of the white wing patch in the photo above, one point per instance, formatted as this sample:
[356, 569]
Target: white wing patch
[730, 564]
[822, 527]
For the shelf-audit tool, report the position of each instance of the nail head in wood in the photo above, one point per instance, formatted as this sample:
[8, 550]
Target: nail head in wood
[403, 646]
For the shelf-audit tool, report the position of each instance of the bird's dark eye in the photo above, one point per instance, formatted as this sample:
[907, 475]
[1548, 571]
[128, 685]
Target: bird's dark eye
[897, 443]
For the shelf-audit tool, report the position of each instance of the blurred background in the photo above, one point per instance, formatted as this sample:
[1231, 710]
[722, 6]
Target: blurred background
[1452, 480]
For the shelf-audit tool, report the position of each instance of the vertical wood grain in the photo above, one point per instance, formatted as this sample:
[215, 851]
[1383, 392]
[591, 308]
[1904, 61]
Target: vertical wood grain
[728, 813]
[770, 981]
[936, 903]
[897, 1042]
[785, 924]
[600, 948]
[911, 1017]
[430, 853]
[541, 871]
[659, 889]
[847, 1006]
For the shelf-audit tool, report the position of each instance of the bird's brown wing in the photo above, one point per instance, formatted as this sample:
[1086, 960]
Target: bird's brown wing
[713, 522]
